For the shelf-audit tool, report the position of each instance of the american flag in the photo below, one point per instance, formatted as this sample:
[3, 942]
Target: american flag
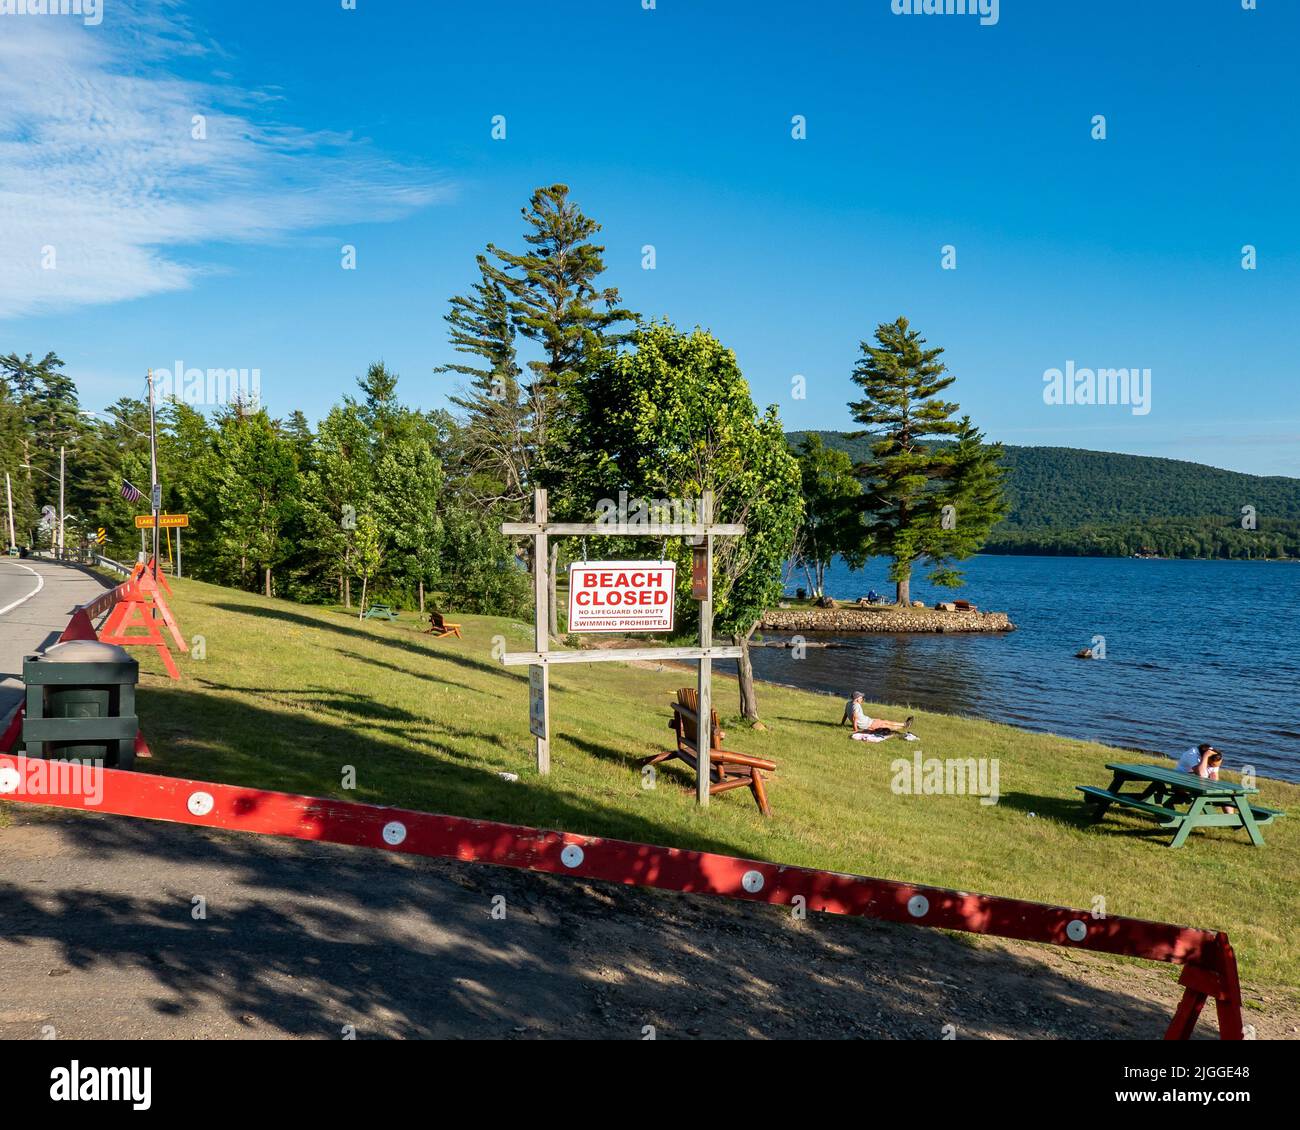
[130, 493]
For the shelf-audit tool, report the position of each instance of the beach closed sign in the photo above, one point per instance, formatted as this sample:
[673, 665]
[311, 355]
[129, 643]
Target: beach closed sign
[621, 596]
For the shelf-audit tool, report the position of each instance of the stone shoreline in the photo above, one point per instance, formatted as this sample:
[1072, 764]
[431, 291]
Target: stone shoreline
[850, 618]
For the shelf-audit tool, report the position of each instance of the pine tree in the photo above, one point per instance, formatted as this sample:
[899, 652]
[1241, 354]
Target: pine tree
[554, 291]
[908, 481]
[496, 439]
[557, 302]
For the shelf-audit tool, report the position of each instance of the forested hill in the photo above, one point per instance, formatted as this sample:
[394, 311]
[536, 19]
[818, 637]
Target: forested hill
[1066, 500]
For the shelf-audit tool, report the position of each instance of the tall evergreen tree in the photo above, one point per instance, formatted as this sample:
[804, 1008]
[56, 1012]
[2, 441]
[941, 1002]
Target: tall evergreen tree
[496, 439]
[556, 300]
[909, 482]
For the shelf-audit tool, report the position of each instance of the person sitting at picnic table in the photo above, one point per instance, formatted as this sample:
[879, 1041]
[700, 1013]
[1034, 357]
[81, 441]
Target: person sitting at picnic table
[862, 723]
[1201, 760]
[1197, 760]
[873, 597]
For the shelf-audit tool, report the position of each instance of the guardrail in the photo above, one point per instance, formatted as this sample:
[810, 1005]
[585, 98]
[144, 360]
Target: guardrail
[109, 563]
[1209, 966]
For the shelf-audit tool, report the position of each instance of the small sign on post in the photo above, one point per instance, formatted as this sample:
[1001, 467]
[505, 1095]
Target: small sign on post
[700, 573]
[165, 521]
[537, 701]
[621, 596]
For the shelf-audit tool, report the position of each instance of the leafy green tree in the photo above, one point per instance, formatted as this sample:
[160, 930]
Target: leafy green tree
[832, 516]
[673, 418]
[909, 483]
[406, 495]
[257, 492]
[479, 572]
[49, 418]
[335, 490]
[369, 554]
[13, 441]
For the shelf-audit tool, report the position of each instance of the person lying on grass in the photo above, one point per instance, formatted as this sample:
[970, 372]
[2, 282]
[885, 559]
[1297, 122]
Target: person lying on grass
[862, 724]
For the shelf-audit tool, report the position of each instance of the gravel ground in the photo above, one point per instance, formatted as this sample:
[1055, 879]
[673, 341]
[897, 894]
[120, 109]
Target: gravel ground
[99, 939]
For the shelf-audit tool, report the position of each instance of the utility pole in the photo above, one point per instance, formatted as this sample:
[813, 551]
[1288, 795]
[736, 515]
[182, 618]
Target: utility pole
[62, 514]
[9, 494]
[155, 491]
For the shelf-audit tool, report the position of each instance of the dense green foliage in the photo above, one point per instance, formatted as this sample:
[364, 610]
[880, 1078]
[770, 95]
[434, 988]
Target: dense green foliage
[1097, 503]
[669, 420]
[832, 502]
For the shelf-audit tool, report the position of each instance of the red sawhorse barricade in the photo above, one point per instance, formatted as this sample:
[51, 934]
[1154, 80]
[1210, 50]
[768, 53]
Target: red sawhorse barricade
[129, 603]
[137, 603]
[139, 606]
[1209, 965]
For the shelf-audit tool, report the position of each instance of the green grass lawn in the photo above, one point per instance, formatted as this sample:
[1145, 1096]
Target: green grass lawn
[289, 695]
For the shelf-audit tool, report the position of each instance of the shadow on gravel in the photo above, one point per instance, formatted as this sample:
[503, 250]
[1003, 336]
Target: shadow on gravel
[304, 939]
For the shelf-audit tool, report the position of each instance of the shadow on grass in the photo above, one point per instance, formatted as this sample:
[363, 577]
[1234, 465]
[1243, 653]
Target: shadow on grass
[413, 646]
[303, 939]
[307, 938]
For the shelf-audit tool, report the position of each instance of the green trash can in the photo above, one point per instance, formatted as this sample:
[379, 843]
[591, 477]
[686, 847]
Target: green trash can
[81, 703]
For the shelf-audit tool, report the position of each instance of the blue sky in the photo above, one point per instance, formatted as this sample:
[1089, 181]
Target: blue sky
[372, 127]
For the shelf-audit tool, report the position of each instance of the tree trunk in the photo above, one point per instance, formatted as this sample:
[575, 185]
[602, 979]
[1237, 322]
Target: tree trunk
[553, 611]
[347, 592]
[362, 608]
[745, 668]
[268, 580]
[905, 590]
[421, 597]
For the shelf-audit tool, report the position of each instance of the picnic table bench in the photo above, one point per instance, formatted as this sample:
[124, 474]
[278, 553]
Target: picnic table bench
[379, 612]
[1207, 801]
[727, 770]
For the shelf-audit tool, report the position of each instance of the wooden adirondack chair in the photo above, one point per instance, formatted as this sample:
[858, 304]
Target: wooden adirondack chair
[727, 770]
[440, 627]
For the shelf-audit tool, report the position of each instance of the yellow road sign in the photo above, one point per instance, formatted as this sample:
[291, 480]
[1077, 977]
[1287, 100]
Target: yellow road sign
[165, 521]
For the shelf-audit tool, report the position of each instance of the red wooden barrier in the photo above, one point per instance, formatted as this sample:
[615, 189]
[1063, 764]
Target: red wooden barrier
[1210, 968]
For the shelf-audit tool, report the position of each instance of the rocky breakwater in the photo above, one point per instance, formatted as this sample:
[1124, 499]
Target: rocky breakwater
[849, 618]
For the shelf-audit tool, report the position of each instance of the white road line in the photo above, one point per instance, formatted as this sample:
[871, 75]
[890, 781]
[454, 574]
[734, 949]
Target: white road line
[40, 584]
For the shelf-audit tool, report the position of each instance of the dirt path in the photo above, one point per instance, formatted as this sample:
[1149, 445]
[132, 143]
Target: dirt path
[98, 939]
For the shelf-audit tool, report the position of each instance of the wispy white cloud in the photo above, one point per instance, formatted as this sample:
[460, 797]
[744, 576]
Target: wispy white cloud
[100, 171]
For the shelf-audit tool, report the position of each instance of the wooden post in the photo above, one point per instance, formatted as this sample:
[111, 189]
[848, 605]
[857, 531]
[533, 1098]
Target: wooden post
[704, 724]
[541, 634]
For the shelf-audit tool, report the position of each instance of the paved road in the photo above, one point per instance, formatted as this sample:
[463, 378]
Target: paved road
[99, 938]
[36, 599]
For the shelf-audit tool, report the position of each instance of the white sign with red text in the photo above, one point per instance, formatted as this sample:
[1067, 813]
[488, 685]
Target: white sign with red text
[621, 596]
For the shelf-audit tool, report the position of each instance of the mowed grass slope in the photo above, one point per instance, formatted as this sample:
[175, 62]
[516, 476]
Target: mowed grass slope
[289, 695]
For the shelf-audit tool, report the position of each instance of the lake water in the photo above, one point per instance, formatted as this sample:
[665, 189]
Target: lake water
[1195, 651]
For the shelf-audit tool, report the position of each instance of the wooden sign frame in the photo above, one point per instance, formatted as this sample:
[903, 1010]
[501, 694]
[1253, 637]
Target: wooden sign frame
[541, 529]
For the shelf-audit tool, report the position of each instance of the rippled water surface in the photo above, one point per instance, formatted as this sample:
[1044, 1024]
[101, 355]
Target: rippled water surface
[1195, 651]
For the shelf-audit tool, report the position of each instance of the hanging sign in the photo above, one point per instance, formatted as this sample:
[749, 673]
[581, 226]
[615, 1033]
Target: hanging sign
[621, 596]
[537, 701]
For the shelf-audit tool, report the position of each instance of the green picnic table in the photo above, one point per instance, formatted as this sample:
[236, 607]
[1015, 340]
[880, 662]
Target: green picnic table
[379, 612]
[1207, 802]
